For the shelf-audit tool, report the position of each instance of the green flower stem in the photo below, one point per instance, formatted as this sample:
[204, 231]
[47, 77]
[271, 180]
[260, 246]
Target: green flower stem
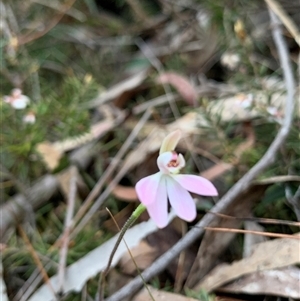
[132, 219]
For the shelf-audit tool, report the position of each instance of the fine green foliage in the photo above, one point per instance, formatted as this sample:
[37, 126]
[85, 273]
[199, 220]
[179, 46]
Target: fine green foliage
[58, 117]
[43, 234]
[201, 295]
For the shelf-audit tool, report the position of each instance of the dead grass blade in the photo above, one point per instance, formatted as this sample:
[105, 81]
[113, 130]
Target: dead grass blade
[37, 261]
[67, 227]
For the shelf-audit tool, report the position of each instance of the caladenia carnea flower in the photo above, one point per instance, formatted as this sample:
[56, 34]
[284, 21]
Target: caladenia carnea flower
[155, 190]
[168, 184]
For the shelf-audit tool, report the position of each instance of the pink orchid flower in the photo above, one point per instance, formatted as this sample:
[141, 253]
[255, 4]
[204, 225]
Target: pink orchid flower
[155, 190]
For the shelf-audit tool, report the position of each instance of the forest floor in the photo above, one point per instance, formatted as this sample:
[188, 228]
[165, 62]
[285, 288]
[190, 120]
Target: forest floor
[89, 91]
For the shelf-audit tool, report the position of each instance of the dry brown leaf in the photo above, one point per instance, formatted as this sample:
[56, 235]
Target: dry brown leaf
[160, 296]
[268, 255]
[50, 154]
[118, 89]
[143, 255]
[125, 193]
[216, 170]
[181, 84]
[188, 124]
[101, 128]
[65, 177]
[284, 282]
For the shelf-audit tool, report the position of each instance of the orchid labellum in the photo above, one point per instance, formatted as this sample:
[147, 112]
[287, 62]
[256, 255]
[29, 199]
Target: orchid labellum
[168, 184]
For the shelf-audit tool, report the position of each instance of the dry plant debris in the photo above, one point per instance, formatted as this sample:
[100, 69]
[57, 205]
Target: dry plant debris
[285, 252]
[90, 88]
[94, 262]
[279, 282]
[160, 296]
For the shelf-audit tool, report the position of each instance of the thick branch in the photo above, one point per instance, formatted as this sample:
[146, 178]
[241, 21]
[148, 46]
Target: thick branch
[241, 186]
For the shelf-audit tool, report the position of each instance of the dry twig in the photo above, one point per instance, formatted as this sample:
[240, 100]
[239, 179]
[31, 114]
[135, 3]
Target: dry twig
[66, 235]
[36, 259]
[260, 220]
[262, 233]
[285, 19]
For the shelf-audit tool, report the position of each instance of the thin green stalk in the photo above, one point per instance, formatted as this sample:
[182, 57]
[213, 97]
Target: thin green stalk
[132, 219]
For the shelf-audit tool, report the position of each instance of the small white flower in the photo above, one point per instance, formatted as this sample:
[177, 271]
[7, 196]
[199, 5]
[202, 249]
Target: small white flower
[29, 118]
[245, 101]
[273, 111]
[17, 100]
[230, 60]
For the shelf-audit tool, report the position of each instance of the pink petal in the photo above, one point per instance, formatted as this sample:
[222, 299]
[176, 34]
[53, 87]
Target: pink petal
[196, 184]
[158, 210]
[180, 200]
[147, 188]
[181, 84]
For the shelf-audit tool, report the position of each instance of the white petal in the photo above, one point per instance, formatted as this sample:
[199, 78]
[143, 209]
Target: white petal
[196, 184]
[20, 102]
[158, 210]
[180, 200]
[163, 160]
